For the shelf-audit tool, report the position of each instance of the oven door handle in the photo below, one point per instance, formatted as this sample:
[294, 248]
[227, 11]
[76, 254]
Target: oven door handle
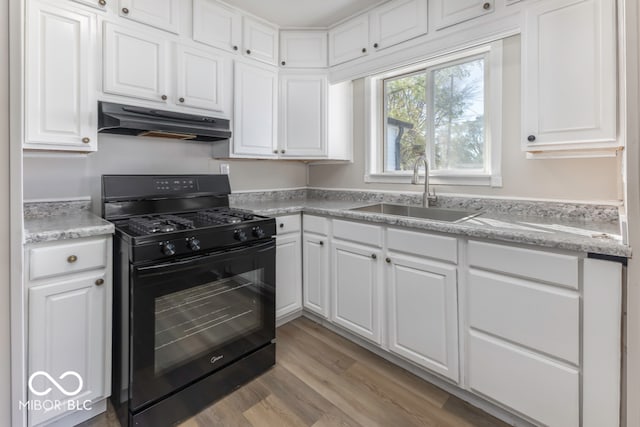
[229, 253]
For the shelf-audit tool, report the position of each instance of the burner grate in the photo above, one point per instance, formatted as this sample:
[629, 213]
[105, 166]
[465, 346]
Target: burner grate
[225, 216]
[159, 224]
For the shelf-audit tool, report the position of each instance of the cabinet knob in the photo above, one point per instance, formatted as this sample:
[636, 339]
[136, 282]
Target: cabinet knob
[486, 6]
[125, 10]
[100, 282]
[321, 243]
[86, 140]
[281, 225]
[364, 50]
[282, 151]
[531, 138]
[102, 2]
[181, 99]
[275, 151]
[71, 259]
[388, 260]
[375, 45]
[374, 256]
[163, 97]
[248, 52]
[283, 63]
[235, 48]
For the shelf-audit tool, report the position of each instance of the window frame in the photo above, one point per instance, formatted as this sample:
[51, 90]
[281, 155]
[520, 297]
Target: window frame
[376, 126]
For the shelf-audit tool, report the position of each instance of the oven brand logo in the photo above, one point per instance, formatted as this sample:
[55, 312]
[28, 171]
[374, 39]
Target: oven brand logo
[47, 405]
[214, 359]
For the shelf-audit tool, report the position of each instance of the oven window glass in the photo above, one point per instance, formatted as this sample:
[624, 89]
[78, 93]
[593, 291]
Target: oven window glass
[191, 322]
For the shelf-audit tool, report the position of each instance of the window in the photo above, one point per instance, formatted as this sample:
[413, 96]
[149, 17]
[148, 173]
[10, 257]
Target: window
[439, 108]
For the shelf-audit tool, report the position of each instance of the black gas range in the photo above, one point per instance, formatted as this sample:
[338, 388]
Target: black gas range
[194, 295]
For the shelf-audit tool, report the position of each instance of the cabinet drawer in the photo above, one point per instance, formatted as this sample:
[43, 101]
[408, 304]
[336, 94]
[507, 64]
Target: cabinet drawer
[288, 224]
[423, 244]
[541, 389]
[356, 232]
[537, 265]
[315, 224]
[67, 258]
[511, 308]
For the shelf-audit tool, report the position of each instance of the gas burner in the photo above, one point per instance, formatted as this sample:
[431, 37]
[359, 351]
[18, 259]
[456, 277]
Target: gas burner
[223, 216]
[152, 224]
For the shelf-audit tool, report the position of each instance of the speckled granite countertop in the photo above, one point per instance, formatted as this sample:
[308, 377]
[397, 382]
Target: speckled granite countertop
[584, 233]
[46, 222]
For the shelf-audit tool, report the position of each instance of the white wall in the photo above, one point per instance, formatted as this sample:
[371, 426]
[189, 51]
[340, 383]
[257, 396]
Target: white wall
[5, 360]
[52, 176]
[579, 179]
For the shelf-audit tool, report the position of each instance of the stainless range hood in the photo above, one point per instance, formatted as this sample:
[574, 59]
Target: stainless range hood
[150, 122]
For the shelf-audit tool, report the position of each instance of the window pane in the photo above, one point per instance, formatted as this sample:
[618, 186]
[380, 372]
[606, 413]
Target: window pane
[405, 121]
[458, 110]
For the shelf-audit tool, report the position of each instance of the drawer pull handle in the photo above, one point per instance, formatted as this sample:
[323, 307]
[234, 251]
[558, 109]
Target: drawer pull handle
[99, 282]
[72, 259]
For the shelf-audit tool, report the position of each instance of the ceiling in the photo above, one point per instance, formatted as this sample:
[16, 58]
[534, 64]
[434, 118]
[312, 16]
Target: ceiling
[303, 13]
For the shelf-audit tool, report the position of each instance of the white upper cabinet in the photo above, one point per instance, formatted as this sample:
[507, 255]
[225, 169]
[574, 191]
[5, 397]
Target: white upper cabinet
[349, 40]
[203, 78]
[303, 115]
[569, 77]
[217, 25]
[60, 90]
[255, 110]
[303, 49]
[162, 14]
[135, 63]
[260, 41]
[97, 4]
[451, 12]
[398, 21]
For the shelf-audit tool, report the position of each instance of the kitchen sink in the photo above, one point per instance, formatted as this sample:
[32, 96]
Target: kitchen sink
[437, 214]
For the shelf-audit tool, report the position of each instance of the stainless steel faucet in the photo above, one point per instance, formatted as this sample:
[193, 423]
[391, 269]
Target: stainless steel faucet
[426, 195]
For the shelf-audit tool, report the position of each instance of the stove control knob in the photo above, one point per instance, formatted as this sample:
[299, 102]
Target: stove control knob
[240, 235]
[168, 249]
[258, 232]
[194, 244]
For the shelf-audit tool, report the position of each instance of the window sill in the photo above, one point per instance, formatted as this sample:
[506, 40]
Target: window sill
[470, 180]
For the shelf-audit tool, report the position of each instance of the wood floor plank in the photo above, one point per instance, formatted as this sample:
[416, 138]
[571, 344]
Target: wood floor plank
[272, 412]
[383, 368]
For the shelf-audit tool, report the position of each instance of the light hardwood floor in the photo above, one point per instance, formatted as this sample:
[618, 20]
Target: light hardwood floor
[324, 380]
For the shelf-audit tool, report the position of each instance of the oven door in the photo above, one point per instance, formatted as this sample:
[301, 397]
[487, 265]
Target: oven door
[192, 317]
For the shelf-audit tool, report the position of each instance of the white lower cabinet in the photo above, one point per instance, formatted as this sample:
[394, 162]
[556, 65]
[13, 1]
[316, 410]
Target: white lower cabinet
[69, 329]
[315, 267]
[288, 271]
[422, 303]
[357, 280]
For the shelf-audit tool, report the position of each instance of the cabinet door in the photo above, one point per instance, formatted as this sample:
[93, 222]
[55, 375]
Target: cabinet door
[260, 41]
[303, 49]
[357, 273]
[162, 14]
[60, 92]
[423, 313]
[255, 117]
[349, 40]
[69, 330]
[97, 4]
[569, 79]
[304, 116]
[202, 79]
[398, 21]
[451, 12]
[216, 25]
[288, 274]
[315, 268]
[135, 64]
